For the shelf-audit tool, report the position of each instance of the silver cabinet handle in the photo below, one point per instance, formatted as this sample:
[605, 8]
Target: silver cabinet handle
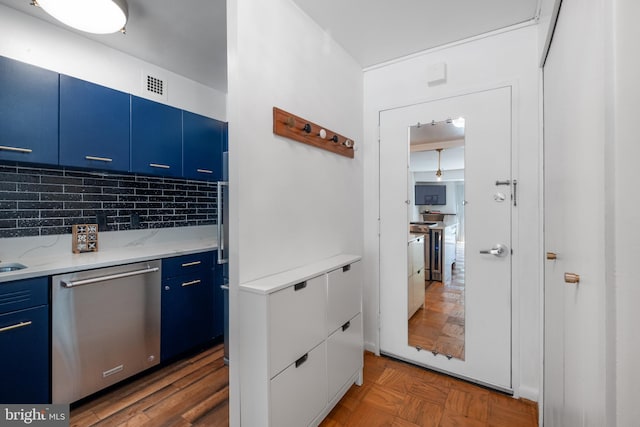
[109, 277]
[99, 159]
[193, 282]
[204, 170]
[224, 287]
[190, 264]
[16, 326]
[158, 165]
[499, 251]
[19, 150]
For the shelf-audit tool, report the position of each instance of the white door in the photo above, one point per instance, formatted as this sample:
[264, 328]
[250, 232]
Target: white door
[487, 117]
[574, 215]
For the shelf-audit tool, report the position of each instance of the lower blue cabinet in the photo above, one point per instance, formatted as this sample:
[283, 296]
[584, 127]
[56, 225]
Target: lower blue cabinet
[191, 304]
[24, 340]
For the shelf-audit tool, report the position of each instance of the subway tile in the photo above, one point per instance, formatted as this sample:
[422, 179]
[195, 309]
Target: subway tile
[42, 201]
[40, 188]
[19, 232]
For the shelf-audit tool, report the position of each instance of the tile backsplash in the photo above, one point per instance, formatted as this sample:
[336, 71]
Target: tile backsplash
[39, 201]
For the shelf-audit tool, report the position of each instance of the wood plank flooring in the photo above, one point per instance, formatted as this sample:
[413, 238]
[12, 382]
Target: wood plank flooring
[439, 325]
[195, 392]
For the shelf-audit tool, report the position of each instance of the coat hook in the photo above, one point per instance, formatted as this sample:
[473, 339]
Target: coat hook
[322, 134]
[307, 128]
[290, 122]
[334, 138]
[348, 143]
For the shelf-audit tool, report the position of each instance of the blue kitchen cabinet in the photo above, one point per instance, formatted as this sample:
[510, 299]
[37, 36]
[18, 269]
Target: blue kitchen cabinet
[94, 126]
[24, 338]
[156, 138]
[28, 113]
[203, 143]
[191, 307]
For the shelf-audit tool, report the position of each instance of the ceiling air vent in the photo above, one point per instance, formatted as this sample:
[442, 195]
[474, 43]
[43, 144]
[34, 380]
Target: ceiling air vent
[154, 87]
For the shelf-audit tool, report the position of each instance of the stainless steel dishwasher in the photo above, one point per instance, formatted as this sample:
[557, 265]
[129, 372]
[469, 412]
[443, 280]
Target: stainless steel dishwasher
[105, 327]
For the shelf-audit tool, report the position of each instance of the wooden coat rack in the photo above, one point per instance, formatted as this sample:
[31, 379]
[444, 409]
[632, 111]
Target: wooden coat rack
[301, 130]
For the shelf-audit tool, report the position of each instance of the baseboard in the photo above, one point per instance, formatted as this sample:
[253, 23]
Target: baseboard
[371, 347]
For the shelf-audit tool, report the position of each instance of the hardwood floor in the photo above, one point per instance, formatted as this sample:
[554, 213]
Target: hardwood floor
[190, 392]
[195, 392]
[439, 326]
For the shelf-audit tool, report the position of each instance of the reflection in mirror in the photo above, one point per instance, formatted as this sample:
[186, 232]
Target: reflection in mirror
[436, 313]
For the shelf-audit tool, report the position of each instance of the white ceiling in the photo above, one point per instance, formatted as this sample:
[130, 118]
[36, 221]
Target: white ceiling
[427, 161]
[375, 31]
[188, 37]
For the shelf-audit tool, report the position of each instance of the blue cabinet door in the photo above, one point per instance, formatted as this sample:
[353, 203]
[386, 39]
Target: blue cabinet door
[188, 303]
[203, 141]
[185, 318]
[94, 126]
[156, 138]
[28, 113]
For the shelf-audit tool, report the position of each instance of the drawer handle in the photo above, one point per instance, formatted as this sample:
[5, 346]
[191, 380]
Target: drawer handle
[99, 159]
[346, 268]
[302, 360]
[158, 165]
[346, 326]
[299, 286]
[191, 264]
[204, 170]
[16, 326]
[19, 150]
[193, 282]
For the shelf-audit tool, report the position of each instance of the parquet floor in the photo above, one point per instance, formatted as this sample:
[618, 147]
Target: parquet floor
[194, 392]
[440, 325]
[397, 394]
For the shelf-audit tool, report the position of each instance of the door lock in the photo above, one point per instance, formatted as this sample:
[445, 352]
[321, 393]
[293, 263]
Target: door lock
[499, 251]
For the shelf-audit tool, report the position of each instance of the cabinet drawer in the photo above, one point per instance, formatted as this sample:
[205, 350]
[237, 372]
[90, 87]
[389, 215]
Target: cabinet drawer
[344, 295]
[23, 294]
[24, 366]
[297, 321]
[344, 354]
[299, 393]
[187, 264]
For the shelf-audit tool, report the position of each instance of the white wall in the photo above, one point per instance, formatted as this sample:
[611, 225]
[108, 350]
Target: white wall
[291, 203]
[37, 42]
[625, 153]
[510, 58]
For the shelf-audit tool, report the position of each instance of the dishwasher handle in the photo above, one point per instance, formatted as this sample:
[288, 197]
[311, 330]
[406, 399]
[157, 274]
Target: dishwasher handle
[72, 284]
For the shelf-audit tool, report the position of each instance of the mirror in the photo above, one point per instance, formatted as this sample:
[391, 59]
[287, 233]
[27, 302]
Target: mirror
[435, 303]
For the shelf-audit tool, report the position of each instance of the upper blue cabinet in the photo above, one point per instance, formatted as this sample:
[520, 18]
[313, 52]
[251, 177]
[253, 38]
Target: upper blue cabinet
[203, 142]
[94, 125]
[28, 113]
[156, 138]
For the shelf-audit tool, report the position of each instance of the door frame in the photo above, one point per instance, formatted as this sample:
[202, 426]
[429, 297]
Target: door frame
[515, 242]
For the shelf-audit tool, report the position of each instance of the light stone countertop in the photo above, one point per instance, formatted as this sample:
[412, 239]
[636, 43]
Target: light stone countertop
[48, 255]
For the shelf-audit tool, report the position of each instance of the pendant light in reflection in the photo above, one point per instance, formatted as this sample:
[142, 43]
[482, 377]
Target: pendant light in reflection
[439, 171]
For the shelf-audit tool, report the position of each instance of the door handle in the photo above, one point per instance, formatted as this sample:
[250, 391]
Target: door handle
[499, 251]
[571, 278]
[552, 256]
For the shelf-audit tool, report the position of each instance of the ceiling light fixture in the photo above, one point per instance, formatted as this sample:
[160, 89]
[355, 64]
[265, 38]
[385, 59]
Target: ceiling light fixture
[439, 171]
[91, 16]
[459, 122]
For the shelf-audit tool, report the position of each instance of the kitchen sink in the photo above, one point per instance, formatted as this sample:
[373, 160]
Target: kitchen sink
[11, 266]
